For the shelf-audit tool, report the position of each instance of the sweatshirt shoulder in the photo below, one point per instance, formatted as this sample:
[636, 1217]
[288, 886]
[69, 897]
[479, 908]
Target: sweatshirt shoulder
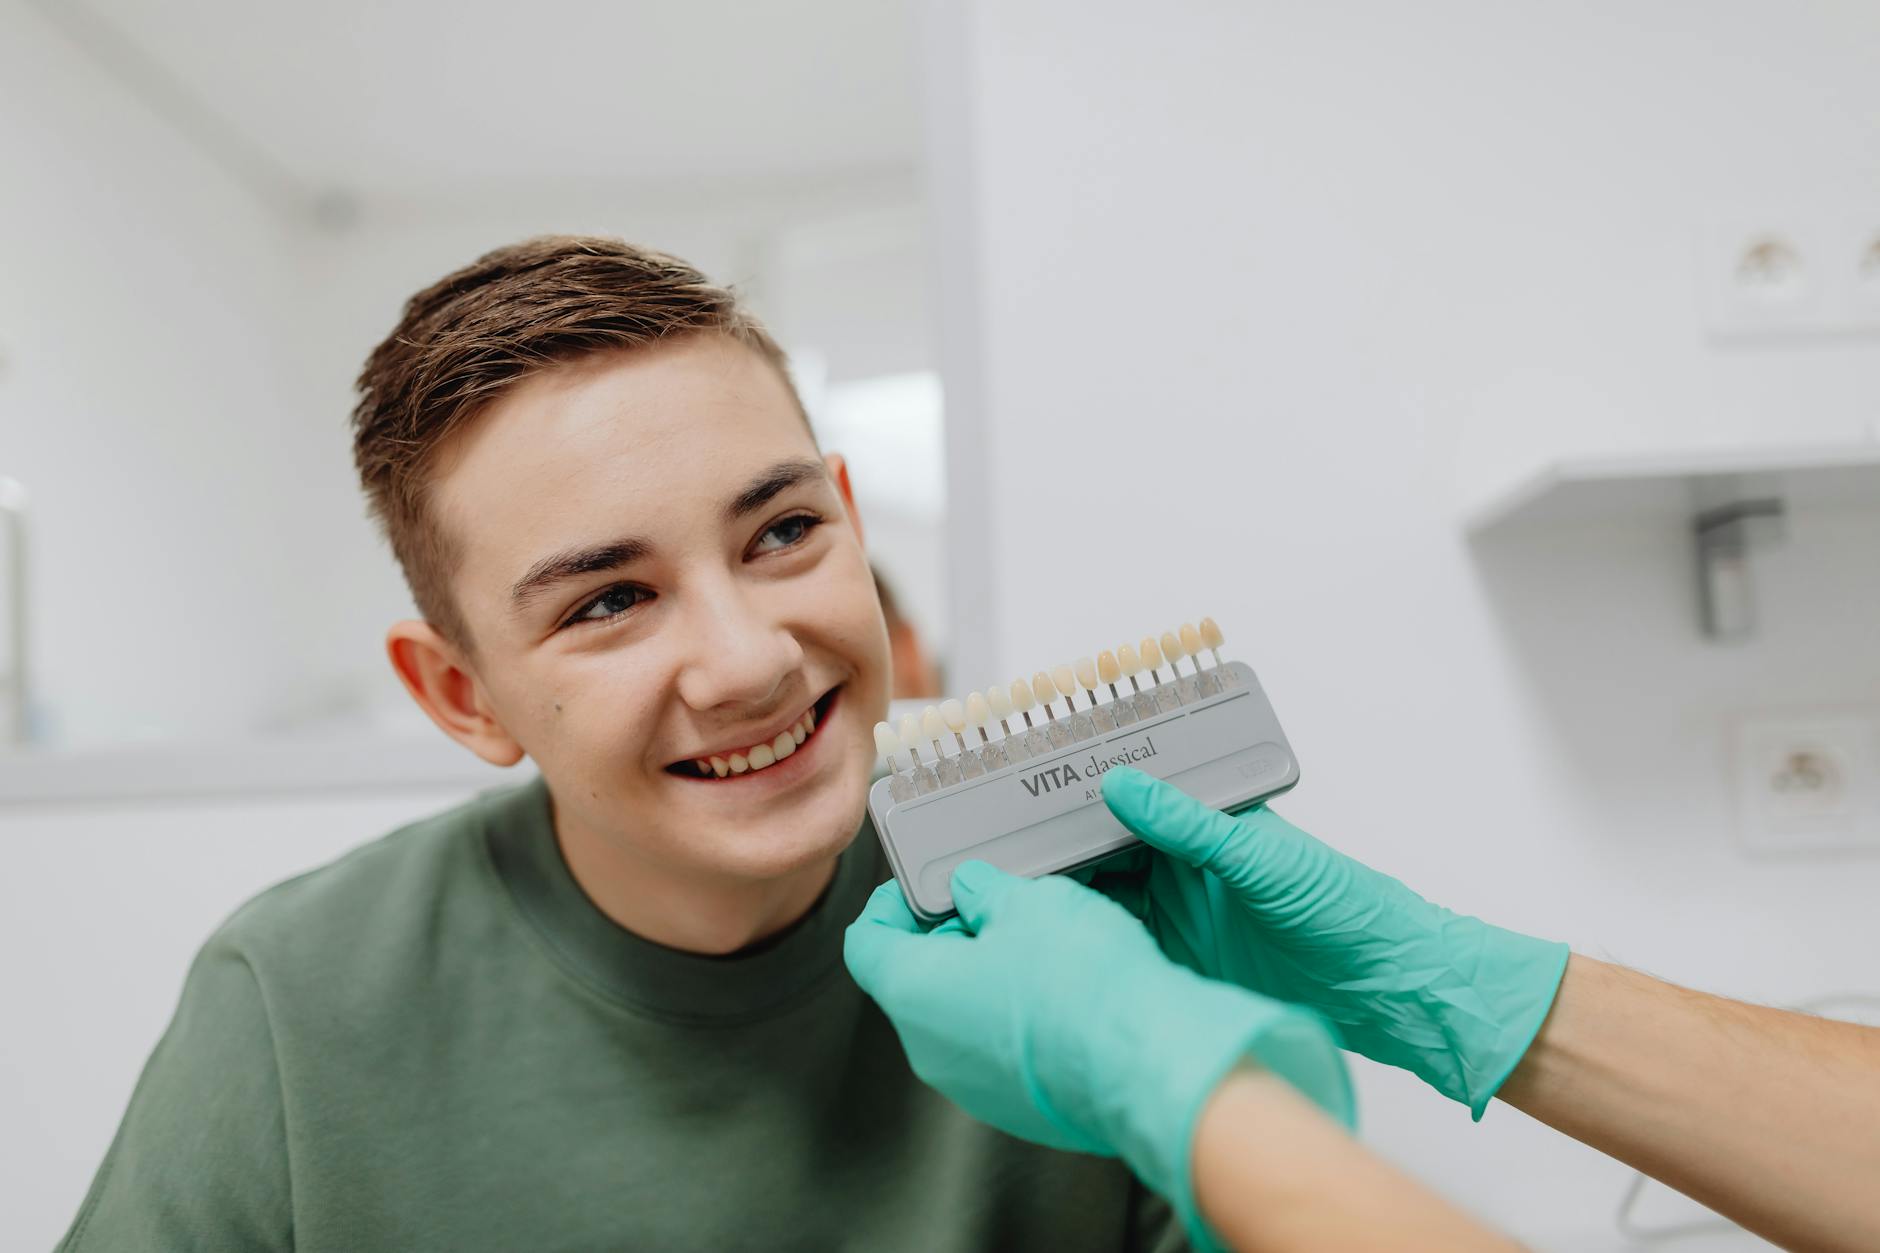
[401, 882]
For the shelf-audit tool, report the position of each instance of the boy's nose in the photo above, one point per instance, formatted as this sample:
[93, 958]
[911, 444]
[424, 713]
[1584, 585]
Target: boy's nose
[735, 653]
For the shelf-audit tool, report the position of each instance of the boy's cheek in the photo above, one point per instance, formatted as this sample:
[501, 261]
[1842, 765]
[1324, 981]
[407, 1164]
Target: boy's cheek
[592, 730]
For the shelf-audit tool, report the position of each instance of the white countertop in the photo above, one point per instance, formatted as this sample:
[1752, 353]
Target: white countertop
[377, 753]
[369, 759]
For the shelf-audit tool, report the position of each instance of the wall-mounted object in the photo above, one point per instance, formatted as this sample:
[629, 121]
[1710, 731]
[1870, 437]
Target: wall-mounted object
[1732, 501]
[1807, 782]
[1786, 273]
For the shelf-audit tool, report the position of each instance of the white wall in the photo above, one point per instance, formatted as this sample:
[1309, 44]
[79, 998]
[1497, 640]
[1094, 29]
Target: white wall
[139, 404]
[176, 367]
[1257, 296]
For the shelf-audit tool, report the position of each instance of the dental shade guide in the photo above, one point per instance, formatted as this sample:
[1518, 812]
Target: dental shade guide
[932, 727]
[1027, 798]
[953, 713]
[1011, 748]
[1110, 672]
[1022, 700]
[919, 774]
[978, 714]
[1187, 691]
[1140, 701]
[1212, 640]
[1166, 701]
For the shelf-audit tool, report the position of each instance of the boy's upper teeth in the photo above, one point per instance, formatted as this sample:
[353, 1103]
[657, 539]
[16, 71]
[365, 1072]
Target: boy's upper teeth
[758, 756]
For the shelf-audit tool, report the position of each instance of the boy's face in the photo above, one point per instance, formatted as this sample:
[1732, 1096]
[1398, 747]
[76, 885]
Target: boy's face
[658, 566]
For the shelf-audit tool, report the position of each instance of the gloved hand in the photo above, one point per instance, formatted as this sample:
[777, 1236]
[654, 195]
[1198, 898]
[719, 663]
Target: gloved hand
[1047, 1011]
[1256, 901]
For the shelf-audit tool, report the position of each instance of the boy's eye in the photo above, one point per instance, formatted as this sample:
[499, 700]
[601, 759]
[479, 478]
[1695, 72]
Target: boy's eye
[611, 603]
[787, 532]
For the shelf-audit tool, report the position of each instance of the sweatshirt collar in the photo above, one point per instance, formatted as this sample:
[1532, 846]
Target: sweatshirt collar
[650, 978]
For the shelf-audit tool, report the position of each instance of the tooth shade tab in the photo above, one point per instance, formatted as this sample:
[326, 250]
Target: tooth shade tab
[1107, 669]
[1086, 673]
[1000, 700]
[886, 742]
[1151, 653]
[1043, 688]
[1172, 648]
[1191, 639]
[910, 734]
[978, 712]
[1022, 699]
[954, 715]
[1065, 679]
[1126, 659]
[1211, 634]
[931, 724]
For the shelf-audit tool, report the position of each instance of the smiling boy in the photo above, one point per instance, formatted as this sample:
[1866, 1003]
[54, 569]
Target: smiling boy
[605, 1009]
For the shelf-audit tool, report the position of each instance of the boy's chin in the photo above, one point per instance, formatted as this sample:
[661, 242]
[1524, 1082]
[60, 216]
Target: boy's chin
[777, 855]
[793, 841]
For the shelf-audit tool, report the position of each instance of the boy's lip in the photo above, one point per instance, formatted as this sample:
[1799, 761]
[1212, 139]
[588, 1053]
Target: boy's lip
[783, 774]
[820, 705]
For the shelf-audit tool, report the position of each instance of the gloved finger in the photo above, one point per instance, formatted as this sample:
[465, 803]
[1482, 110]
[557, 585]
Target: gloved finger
[979, 891]
[887, 907]
[880, 936]
[1162, 815]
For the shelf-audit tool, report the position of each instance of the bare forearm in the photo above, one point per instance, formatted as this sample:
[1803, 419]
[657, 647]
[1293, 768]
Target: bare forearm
[1767, 1117]
[1272, 1174]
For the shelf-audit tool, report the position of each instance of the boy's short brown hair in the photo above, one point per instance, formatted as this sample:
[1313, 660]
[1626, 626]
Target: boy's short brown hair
[472, 335]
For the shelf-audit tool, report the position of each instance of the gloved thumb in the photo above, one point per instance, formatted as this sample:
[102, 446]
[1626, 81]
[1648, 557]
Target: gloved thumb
[880, 937]
[979, 891]
[1162, 815]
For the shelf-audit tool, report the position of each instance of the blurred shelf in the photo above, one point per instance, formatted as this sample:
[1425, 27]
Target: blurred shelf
[1678, 486]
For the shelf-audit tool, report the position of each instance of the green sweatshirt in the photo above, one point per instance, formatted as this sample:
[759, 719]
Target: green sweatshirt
[438, 1042]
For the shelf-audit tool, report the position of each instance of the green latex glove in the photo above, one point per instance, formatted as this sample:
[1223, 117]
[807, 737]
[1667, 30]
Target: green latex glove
[1047, 1010]
[1256, 901]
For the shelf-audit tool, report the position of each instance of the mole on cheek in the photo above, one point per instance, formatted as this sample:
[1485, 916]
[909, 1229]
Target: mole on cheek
[557, 706]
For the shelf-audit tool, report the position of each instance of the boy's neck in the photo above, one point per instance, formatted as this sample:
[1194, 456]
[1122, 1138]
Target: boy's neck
[715, 916]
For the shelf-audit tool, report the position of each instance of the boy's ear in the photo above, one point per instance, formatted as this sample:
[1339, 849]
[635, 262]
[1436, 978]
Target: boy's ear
[433, 671]
[839, 475]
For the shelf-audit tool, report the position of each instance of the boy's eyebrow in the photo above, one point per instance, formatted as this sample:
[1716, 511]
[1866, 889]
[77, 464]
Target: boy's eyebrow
[611, 555]
[572, 564]
[778, 478]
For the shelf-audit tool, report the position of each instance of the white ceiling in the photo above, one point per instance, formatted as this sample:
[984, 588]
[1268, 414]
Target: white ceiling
[421, 100]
